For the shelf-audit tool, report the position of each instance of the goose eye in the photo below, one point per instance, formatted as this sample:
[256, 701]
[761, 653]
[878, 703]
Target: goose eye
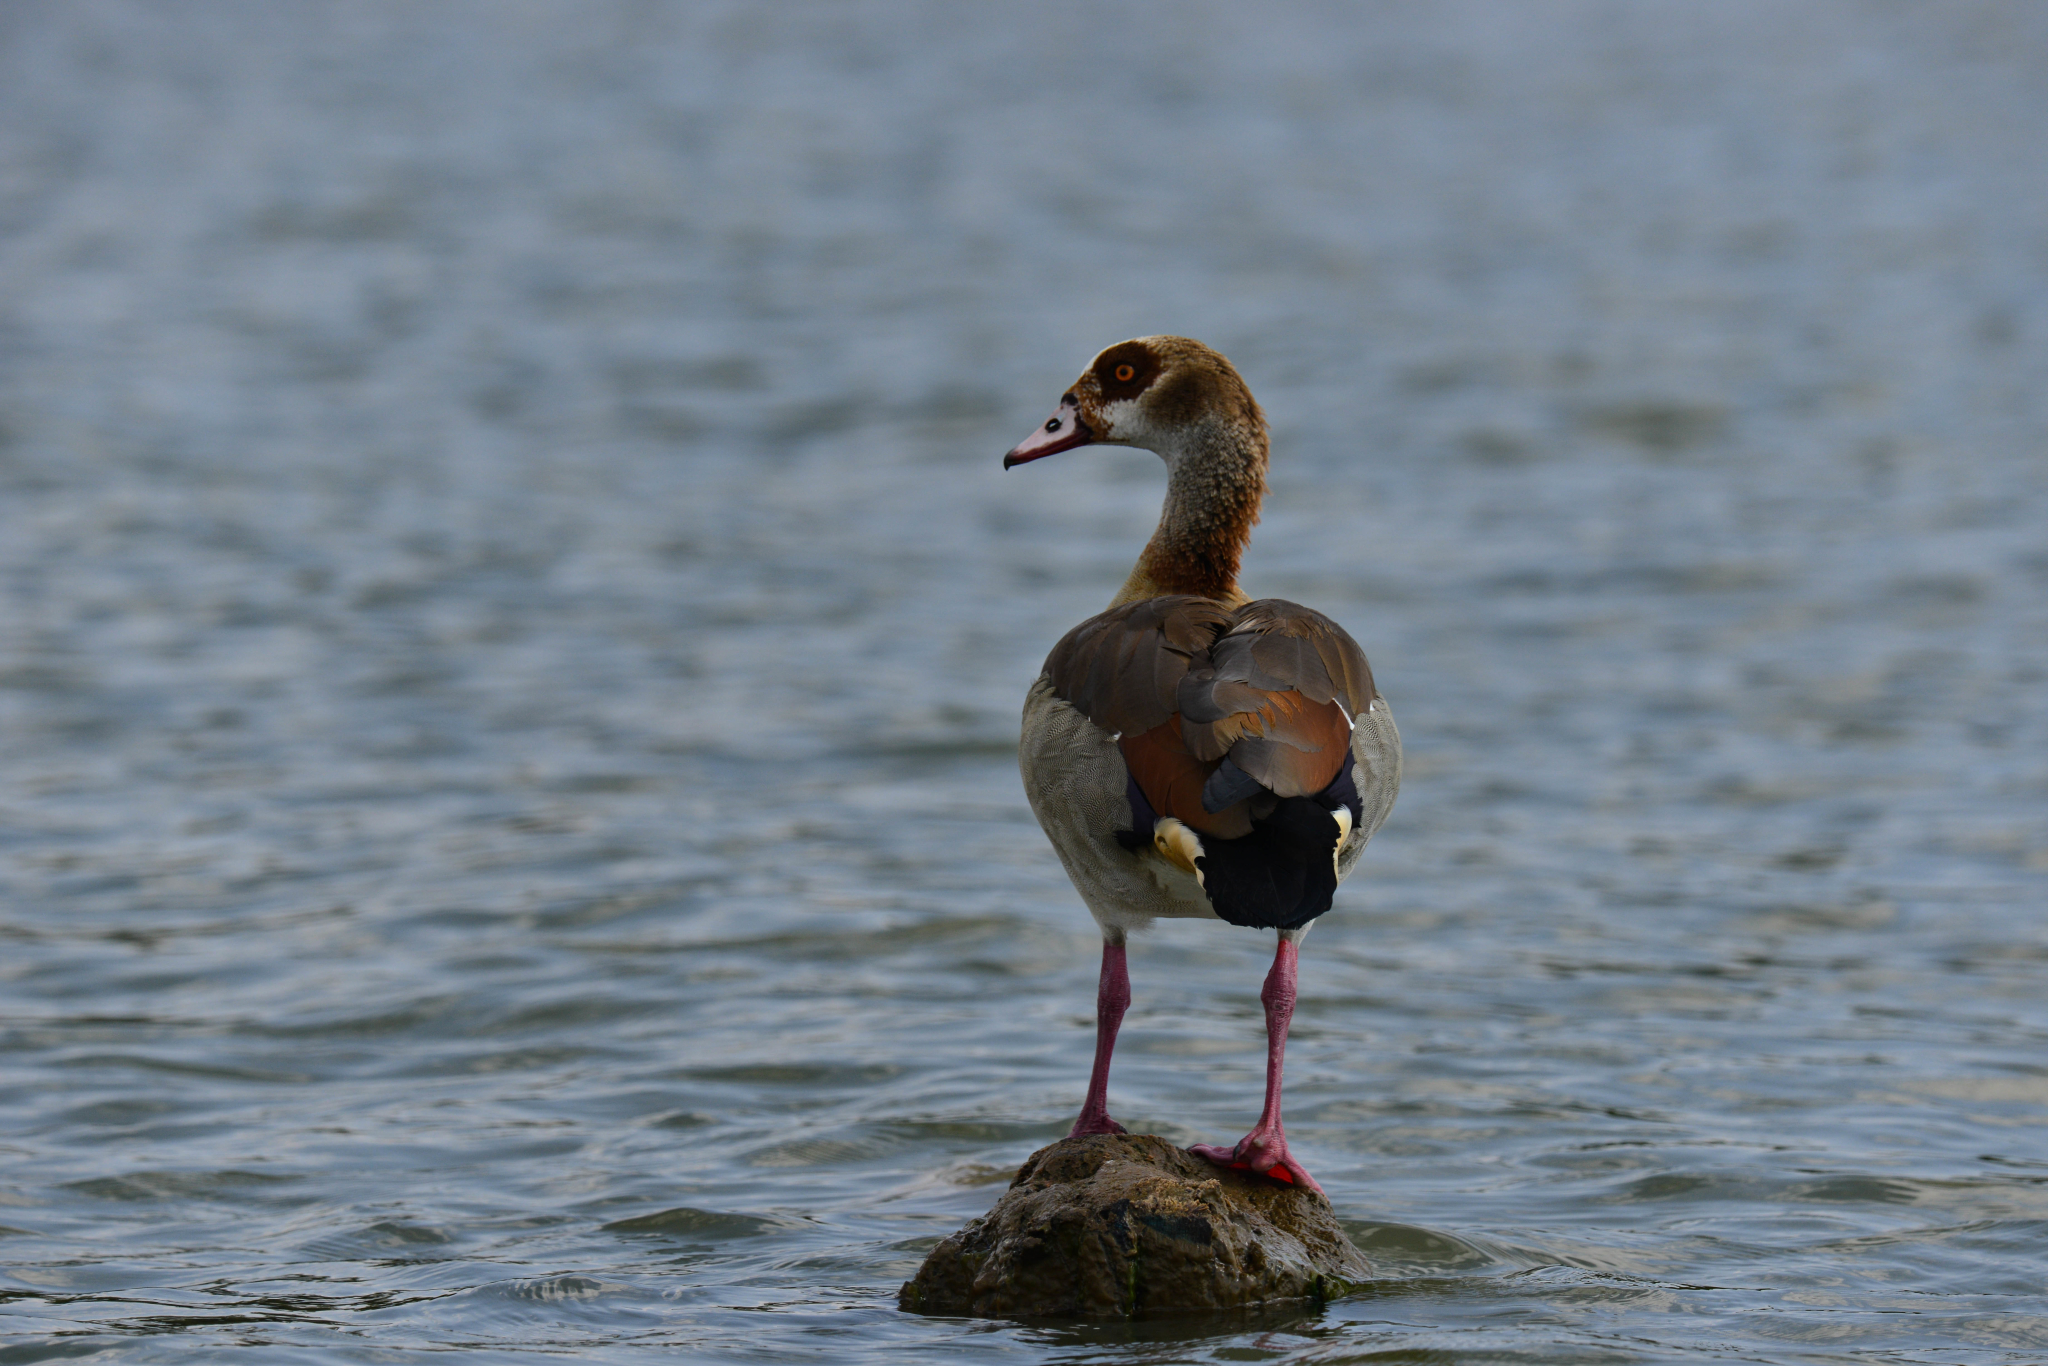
[1124, 373]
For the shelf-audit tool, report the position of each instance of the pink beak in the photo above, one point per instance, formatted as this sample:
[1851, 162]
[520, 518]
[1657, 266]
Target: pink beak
[1063, 431]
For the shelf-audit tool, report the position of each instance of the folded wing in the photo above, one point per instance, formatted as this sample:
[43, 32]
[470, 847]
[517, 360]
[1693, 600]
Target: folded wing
[1220, 713]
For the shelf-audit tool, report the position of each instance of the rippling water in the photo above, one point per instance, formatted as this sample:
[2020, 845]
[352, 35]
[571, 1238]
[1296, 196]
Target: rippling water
[512, 632]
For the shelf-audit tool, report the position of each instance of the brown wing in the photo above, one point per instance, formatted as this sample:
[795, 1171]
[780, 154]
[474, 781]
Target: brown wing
[1184, 682]
[1172, 780]
[1120, 669]
[1276, 695]
[1274, 643]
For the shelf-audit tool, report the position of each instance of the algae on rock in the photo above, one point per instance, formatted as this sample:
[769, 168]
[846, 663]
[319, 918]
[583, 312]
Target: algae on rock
[1116, 1225]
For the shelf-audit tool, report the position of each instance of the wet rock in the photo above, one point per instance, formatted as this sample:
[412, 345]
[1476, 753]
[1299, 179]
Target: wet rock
[1115, 1225]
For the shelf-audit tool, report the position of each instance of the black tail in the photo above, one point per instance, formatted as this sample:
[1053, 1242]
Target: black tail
[1280, 876]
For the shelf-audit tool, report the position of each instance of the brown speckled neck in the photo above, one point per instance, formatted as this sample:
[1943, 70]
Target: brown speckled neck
[1213, 493]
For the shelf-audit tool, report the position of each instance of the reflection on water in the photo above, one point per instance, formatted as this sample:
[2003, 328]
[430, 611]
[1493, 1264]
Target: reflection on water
[513, 636]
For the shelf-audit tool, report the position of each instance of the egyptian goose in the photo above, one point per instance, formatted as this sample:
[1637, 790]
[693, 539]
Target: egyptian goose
[1190, 751]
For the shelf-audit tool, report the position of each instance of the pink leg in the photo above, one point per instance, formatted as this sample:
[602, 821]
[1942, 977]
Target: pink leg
[1264, 1149]
[1112, 998]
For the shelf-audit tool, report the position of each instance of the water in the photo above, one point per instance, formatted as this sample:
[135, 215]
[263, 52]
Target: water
[513, 632]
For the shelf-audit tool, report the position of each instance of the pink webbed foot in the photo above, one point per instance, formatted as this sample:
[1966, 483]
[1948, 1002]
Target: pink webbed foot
[1264, 1152]
[1264, 1149]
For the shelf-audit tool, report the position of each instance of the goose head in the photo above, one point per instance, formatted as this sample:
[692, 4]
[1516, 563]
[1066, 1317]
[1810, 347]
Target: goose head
[1172, 395]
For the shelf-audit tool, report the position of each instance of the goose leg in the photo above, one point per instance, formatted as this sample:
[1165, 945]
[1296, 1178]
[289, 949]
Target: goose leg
[1112, 998]
[1264, 1149]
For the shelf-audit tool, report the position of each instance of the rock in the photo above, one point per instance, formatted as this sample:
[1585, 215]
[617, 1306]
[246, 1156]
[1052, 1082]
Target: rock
[1114, 1225]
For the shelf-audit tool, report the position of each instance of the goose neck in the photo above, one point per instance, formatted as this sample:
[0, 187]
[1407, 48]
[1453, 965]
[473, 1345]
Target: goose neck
[1216, 479]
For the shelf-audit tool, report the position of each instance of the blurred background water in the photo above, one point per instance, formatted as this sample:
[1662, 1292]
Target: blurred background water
[512, 632]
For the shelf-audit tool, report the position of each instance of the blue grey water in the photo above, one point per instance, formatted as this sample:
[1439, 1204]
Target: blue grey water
[512, 632]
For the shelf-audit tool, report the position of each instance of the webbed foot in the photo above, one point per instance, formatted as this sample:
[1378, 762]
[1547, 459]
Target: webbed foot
[1262, 1152]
